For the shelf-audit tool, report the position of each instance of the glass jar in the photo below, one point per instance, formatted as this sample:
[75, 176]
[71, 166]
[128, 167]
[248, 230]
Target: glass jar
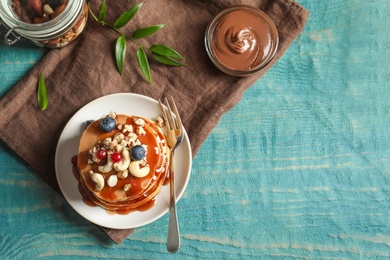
[241, 40]
[57, 27]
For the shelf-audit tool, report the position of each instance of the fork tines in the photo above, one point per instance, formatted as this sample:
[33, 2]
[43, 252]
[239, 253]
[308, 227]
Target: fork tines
[168, 114]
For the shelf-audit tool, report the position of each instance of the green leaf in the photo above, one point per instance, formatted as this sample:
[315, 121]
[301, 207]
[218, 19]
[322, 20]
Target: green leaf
[143, 32]
[166, 51]
[42, 93]
[144, 64]
[126, 16]
[167, 60]
[120, 52]
[102, 13]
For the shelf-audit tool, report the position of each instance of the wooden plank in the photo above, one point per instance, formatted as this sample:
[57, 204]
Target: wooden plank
[298, 169]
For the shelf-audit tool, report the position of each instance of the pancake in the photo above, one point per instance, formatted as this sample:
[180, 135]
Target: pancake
[122, 183]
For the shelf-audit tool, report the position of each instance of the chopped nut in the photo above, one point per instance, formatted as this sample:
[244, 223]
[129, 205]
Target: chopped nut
[121, 146]
[107, 142]
[123, 175]
[159, 121]
[139, 122]
[128, 128]
[119, 137]
[112, 114]
[93, 152]
[140, 130]
[113, 144]
[112, 180]
[127, 187]
[132, 138]
[143, 163]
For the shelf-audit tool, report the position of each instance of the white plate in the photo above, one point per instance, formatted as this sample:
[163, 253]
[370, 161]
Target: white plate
[67, 147]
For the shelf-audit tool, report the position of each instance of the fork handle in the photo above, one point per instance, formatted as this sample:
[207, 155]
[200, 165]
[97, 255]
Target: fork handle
[173, 241]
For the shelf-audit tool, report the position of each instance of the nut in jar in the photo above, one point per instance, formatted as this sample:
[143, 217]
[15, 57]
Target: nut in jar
[70, 35]
[38, 11]
[47, 23]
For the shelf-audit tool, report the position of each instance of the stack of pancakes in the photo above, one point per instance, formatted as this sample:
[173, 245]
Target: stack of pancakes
[130, 193]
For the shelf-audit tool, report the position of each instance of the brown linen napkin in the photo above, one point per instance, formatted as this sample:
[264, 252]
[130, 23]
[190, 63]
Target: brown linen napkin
[86, 70]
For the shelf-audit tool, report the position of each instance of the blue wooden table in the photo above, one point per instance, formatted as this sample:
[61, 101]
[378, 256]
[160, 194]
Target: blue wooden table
[300, 168]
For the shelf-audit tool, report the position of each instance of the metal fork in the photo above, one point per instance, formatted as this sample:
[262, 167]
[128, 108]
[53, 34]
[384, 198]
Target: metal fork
[174, 137]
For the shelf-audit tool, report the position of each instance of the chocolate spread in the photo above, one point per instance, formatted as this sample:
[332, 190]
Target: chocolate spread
[243, 39]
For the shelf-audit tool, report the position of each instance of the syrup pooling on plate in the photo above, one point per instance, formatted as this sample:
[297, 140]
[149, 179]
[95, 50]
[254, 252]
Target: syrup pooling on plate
[114, 179]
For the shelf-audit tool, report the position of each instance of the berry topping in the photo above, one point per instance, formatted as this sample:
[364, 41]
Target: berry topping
[87, 123]
[116, 157]
[138, 152]
[107, 124]
[74, 160]
[101, 154]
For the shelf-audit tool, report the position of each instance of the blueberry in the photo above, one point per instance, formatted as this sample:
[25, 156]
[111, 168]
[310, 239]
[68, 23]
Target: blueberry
[107, 124]
[138, 152]
[87, 123]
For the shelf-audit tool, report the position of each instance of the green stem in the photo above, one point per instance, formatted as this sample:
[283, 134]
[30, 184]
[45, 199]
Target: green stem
[115, 29]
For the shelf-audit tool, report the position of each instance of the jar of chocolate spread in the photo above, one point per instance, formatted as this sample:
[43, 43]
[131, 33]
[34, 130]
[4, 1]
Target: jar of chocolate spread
[241, 40]
[47, 23]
